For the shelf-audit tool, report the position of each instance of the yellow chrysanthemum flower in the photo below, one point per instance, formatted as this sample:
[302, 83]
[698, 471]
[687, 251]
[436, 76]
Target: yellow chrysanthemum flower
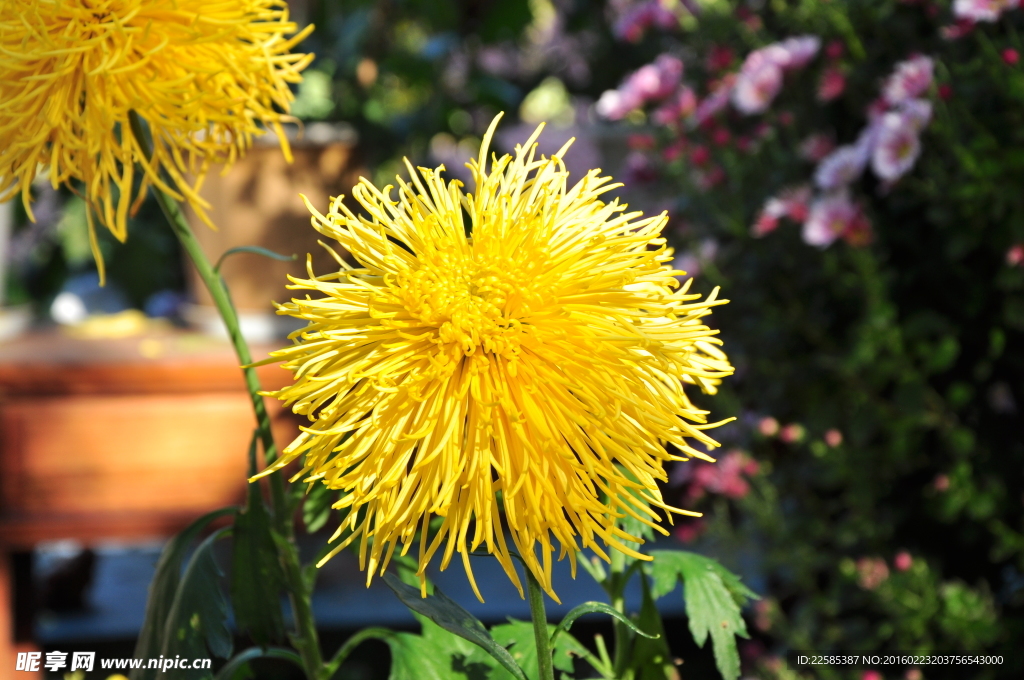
[518, 351]
[203, 74]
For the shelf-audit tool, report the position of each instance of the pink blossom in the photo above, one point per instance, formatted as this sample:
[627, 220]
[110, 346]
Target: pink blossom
[959, 29]
[716, 100]
[910, 79]
[652, 82]
[830, 217]
[1010, 56]
[756, 88]
[903, 561]
[768, 426]
[725, 477]
[700, 155]
[831, 85]
[982, 10]
[833, 437]
[941, 483]
[800, 50]
[615, 104]
[841, 167]
[632, 24]
[834, 49]
[871, 573]
[658, 79]
[816, 147]
[871, 674]
[674, 150]
[678, 106]
[689, 531]
[792, 433]
[719, 58]
[897, 148]
[917, 113]
[791, 203]
[1015, 255]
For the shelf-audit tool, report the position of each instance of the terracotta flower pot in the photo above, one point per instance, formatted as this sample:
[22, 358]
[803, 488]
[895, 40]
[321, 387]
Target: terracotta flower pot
[257, 203]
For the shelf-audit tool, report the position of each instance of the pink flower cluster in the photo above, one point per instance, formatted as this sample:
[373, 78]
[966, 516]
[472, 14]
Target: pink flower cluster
[751, 90]
[651, 83]
[890, 143]
[634, 22]
[760, 77]
[726, 477]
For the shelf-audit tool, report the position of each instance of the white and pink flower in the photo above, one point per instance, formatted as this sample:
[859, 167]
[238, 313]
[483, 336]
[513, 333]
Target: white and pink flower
[898, 144]
[982, 10]
[791, 203]
[757, 86]
[910, 79]
[841, 167]
[715, 102]
[832, 216]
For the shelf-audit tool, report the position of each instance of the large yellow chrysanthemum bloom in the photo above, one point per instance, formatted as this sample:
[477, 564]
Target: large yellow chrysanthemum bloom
[203, 74]
[521, 350]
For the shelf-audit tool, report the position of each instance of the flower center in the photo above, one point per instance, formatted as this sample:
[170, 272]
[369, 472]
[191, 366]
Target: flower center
[473, 299]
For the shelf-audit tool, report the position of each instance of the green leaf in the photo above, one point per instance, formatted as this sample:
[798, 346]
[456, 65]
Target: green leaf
[713, 597]
[237, 667]
[651, 658]
[198, 618]
[255, 250]
[597, 608]
[256, 576]
[447, 614]
[316, 507]
[162, 590]
[518, 637]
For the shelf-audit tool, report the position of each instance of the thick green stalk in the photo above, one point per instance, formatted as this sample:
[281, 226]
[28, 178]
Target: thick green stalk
[306, 639]
[541, 636]
[616, 591]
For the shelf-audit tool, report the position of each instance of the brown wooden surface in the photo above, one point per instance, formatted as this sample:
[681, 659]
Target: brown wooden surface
[119, 438]
[163, 362]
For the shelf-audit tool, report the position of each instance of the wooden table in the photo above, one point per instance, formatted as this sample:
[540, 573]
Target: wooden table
[125, 438]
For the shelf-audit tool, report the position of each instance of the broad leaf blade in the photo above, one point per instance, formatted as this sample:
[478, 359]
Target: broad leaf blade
[447, 614]
[198, 618]
[518, 637]
[652, 659]
[162, 590]
[256, 577]
[712, 602]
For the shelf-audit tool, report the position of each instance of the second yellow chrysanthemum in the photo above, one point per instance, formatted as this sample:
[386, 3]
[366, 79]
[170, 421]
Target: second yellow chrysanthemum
[517, 352]
[203, 75]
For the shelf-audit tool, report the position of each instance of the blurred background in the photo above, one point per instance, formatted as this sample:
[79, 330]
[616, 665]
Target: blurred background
[849, 173]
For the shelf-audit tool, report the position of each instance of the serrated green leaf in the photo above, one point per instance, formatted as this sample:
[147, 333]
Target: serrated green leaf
[447, 614]
[197, 621]
[256, 576]
[437, 654]
[518, 637]
[713, 597]
[162, 590]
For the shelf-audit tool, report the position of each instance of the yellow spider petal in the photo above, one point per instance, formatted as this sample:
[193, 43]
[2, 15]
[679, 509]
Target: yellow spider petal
[205, 76]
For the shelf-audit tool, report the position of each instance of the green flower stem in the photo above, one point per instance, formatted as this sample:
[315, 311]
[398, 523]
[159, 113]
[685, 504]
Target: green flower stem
[306, 640]
[545, 671]
[616, 593]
